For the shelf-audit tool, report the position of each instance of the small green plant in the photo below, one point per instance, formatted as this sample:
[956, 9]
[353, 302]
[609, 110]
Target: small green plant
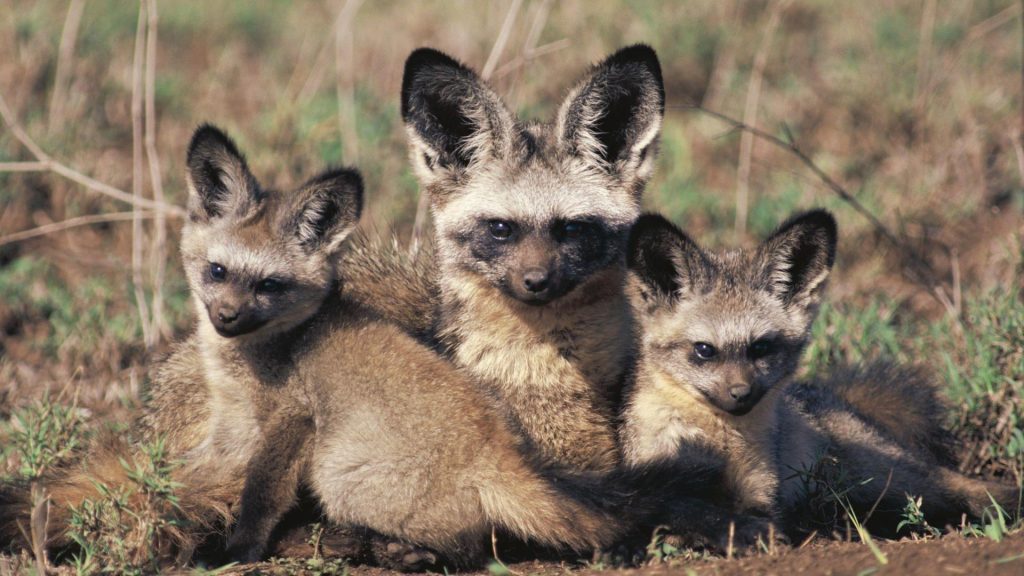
[125, 529]
[994, 523]
[913, 518]
[314, 566]
[44, 434]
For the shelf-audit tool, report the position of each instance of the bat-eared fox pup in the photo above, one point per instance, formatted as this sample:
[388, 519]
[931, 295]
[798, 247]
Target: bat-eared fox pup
[722, 335]
[531, 226]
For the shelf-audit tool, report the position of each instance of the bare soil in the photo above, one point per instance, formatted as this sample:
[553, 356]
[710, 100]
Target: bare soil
[951, 554]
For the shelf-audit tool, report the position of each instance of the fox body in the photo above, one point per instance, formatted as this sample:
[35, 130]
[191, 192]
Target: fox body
[722, 336]
[531, 225]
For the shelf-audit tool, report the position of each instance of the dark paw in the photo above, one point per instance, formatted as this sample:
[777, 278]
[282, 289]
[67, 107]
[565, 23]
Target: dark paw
[407, 557]
[244, 549]
[749, 534]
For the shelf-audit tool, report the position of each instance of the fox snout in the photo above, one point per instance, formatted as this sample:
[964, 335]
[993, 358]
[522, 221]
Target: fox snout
[737, 392]
[232, 318]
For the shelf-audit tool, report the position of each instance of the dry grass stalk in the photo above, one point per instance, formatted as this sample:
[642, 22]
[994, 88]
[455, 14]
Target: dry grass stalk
[65, 54]
[502, 39]
[158, 250]
[75, 222]
[750, 117]
[344, 68]
[38, 520]
[137, 178]
[924, 51]
[47, 164]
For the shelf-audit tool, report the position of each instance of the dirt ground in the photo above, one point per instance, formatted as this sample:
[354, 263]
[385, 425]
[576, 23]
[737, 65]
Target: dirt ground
[952, 554]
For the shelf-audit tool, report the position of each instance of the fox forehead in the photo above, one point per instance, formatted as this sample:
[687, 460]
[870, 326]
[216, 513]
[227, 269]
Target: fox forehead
[539, 194]
[722, 319]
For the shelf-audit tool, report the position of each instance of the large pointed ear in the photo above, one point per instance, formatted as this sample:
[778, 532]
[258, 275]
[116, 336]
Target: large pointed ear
[612, 118]
[325, 210]
[453, 118]
[669, 264]
[796, 260]
[219, 182]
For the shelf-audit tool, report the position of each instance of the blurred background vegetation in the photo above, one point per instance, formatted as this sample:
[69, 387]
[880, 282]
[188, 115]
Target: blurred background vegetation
[913, 106]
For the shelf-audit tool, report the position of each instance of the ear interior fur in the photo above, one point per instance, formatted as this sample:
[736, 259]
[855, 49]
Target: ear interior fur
[613, 116]
[798, 257]
[668, 262]
[453, 118]
[219, 181]
[326, 209]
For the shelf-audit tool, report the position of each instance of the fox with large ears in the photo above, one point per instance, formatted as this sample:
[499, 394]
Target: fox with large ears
[531, 226]
[722, 335]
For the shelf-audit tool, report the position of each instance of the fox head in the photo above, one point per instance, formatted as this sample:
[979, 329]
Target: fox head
[260, 261]
[533, 210]
[729, 327]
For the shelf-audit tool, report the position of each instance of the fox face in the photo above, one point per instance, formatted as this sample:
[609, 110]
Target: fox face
[728, 328]
[260, 261]
[533, 210]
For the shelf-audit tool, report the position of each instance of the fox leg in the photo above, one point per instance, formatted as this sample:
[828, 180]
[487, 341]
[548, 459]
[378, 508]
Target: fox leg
[271, 483]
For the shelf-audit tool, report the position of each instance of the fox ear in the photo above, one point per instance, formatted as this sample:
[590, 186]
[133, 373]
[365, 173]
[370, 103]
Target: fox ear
[797, 259]
[453, 118]
[612, 117]
[219, 182]
[326, 209]
[669, 264]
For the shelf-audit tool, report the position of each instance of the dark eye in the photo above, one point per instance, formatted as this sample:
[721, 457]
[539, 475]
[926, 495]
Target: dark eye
[704, 351]
[574, 229]
[269, 286]
[760, 349]
[218, 272]
[500, 229]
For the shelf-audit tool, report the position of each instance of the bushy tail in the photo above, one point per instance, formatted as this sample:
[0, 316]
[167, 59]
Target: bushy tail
[191, 508]
[393, 282]
[902, 401]
[588, 512]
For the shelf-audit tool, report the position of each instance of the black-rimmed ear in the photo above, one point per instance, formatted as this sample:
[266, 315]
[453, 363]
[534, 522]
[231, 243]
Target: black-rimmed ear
[797, 258]
[219, 182]
[612, 118]
[453, 118]
[667, 261]
[325, 210]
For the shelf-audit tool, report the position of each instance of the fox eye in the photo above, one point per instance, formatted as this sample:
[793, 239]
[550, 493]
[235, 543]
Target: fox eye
[218, 272]
[269, 286]
[704, 351]
[760, 349]
[573, 229]
[500, 229]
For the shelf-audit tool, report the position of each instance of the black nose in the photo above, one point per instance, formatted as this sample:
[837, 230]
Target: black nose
[227, 315]
[739, 392]
[536, 279]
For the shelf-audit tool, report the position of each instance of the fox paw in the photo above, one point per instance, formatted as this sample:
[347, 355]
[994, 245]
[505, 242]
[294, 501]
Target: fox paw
[407, 557]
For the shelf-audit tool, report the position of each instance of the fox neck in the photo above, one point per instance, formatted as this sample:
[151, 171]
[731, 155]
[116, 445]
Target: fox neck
[591, 328]
[718, 426]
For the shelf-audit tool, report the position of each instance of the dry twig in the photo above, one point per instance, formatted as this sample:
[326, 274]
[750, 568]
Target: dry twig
[344, 49]
[137, 178]
[750, 117]
[158, 250]
[65, 53]
[920, 272]
[502, 39]
[44, 163]
[73, 223]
